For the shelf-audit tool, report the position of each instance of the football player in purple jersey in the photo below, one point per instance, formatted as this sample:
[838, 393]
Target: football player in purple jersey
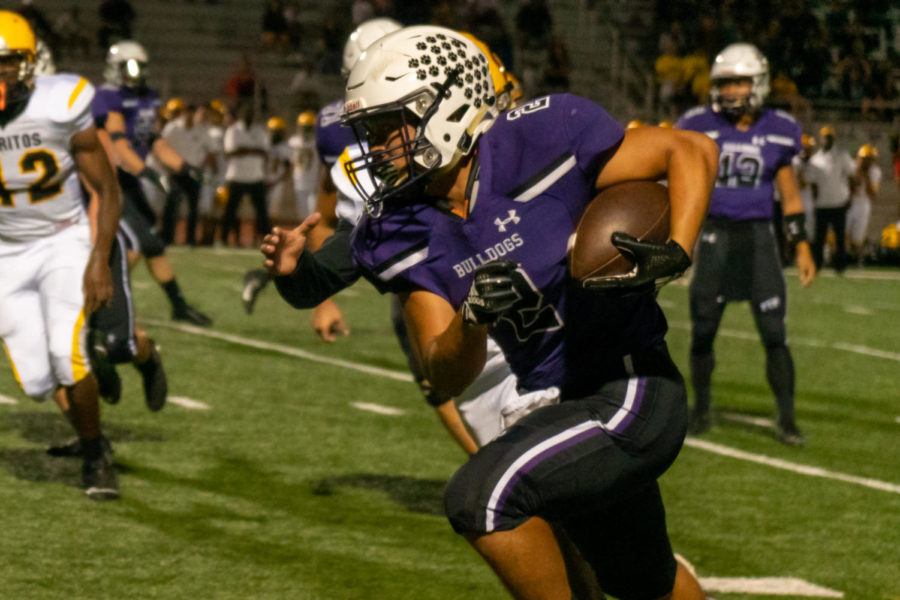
[737, 258]
[469, 224]
[129, 112]
[492, 402]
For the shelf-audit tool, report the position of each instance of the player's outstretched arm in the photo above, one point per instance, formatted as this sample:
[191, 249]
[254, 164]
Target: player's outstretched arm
[282, 247]
[687, 159]
[93, 165]
[794, 220]
[125, 154]
[316, 276]
[450, 350]
[328, 321]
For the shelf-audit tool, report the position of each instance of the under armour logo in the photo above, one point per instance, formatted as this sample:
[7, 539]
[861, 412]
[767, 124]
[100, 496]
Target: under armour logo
[501, 223]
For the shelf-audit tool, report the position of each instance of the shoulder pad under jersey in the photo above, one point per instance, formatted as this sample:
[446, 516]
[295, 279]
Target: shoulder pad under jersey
[63, 98]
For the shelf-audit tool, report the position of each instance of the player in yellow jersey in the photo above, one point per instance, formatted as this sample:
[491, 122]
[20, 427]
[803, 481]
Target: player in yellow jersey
[52, 277]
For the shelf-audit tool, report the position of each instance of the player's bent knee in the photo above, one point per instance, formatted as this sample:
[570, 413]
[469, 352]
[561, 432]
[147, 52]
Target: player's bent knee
[702, 337]
[460, 503]
[773, 334]
[121, 351]
[152, 247]
[39, 390]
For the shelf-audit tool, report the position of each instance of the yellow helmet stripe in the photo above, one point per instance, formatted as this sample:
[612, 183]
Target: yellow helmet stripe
[343, 159]
[78, 88]
[79, 366]
[14, 370]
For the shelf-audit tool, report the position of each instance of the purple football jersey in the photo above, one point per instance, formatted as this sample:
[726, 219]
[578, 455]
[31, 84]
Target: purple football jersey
[139, 111]
[748, 160]
[537, 167]
[331, 136]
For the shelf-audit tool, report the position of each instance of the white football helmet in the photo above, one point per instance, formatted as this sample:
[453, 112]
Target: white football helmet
[430, 78]
[362, 38]
[44, 63]
[735, 61]
[126, 64]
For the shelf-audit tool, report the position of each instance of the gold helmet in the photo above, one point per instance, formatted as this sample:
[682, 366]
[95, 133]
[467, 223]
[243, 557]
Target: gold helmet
[506, 86]
[217, 106]
[276, 124]
[306, 119]
[17, 40]
[807, 141]
[666, 125]
[867, 151]
[826, 130]
[173, 107]
[634, 124]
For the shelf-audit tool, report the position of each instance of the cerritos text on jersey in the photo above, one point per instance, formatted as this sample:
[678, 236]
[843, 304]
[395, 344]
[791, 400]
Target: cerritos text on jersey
[498, 250]
[17, 142]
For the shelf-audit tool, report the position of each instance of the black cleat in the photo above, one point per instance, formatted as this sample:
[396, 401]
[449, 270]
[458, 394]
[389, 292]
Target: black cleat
[191, 315]
[108, 382]
[790, 435]
[73, 449]
[698, 422]
[156, 387]
[255, 281]
[100, 479]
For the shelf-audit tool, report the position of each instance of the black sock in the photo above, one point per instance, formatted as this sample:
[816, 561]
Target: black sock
[701, 376]
[176, 299]
[92, 449]
[780, 373]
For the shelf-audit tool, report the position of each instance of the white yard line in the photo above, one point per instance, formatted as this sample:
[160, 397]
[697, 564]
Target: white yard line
[378, 408]
[767, 586]
[7, 400]
[859, 310]
[854, 348]
[282, 349]
[188, 403]
[213, 251]
[402, 376]
[785, 465]
[758, 421]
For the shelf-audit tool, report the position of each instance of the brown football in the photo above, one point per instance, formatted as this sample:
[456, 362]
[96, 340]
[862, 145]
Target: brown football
[640, 208]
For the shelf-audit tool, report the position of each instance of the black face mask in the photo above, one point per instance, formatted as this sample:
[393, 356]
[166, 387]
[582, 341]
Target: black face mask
[13, 100]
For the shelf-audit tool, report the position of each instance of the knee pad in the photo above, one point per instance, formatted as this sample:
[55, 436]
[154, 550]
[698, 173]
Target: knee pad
[152, 245]
[39, 390]
[121, 350]
[772, 331]
[703, 334]
[460, 502]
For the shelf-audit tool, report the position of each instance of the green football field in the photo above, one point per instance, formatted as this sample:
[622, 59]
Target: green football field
[288, 468]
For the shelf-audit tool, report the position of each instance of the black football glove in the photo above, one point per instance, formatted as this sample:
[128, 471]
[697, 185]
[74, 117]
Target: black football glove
[655, 265]
[154, 179]
[190, 171]
[494, 291]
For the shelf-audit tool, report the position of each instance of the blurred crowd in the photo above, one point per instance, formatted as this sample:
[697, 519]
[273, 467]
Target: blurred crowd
[840, 52]
[530, 43]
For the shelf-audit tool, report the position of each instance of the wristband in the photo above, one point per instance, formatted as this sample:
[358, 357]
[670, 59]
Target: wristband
[795, 228]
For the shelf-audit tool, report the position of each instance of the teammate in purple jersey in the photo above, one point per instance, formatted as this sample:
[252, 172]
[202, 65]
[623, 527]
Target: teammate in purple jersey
[469, 225]
[737, 258]
[128, 110]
